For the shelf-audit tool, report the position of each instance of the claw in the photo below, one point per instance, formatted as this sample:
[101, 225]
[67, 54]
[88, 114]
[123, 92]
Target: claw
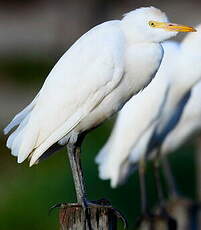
[59, 205]
[104, 203]
[121, 217]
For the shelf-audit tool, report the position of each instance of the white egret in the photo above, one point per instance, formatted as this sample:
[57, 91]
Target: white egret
[189, 126]
[140, 114]
[93, 79]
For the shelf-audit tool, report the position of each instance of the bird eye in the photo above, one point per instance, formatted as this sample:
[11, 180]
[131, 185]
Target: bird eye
[151, 23]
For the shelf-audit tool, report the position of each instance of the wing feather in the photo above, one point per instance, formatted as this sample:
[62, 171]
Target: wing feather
[81, 79]
[20, 116]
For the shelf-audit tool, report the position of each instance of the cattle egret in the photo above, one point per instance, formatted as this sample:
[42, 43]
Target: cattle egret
[189, 126]
[93, 79]
[140, 113]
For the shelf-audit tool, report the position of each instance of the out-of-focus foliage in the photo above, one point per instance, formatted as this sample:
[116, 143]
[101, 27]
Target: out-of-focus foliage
[26, 71]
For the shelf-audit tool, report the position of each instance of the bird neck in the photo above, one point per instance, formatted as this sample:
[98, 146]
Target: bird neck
[132, 35]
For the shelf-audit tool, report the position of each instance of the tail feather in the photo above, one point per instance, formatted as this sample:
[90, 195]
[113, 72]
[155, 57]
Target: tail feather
[60, 132]
[103, 154]
[25, 142]
[102, 161]
[16, 144]
[11, 138]
[13, 135]
[23, 139]
[20, 116]
[104, 172]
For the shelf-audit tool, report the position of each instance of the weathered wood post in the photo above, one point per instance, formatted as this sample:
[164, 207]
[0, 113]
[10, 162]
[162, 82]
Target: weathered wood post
[73, 217]
[198, 166]
[198, 173]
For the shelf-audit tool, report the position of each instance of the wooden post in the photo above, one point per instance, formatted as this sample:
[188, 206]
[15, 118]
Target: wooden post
[72, 217]
[198, 166]
[198, 173]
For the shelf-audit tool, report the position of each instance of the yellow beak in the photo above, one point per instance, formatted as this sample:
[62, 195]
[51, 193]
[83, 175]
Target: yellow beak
[174, 27]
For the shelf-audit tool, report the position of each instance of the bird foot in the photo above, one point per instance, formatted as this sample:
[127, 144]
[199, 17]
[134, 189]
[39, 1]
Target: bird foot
[153, 221]
[101, 203]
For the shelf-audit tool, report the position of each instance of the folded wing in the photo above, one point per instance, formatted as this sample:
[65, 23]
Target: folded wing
[81, 79]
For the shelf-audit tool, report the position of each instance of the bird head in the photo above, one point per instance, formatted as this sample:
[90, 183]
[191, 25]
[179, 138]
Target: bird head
[149, 24]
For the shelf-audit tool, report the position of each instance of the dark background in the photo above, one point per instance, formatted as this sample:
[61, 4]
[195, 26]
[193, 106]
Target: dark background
[33, 35]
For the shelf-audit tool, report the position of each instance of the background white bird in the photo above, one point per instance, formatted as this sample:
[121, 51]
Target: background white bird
[136, 119]
[186, 75]
[92, 80]
[126, 146]
[189, 126]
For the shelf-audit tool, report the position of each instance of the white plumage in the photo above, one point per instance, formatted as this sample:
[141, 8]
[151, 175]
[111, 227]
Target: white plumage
[152, 114]
[190, 124]
[136, 119]
[93, 79]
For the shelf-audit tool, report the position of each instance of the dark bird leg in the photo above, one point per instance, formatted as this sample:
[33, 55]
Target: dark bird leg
[75, 163]
[151, 220]
[173, 191]
[145, 217]
[144, 202]
[163, 212]
[157, 176]
[74, 155]
[74, 152]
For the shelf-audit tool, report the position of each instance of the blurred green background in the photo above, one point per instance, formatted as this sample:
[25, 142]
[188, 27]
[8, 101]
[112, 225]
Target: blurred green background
[33, 35]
